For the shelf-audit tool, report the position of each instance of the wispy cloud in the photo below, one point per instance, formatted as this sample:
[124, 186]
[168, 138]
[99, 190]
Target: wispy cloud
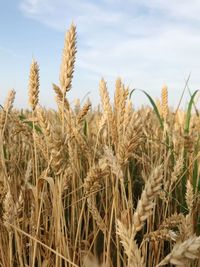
[147, 42]
[8, 52]
[178, 9]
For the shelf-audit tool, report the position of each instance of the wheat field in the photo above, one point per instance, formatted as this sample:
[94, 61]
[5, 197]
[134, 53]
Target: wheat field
[109, 186]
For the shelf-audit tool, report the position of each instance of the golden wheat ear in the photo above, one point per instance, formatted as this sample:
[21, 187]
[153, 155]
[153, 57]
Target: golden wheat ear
[183, 252]
[147, 201]
[7, 108]
[68, 60]
[34, 83]
[130, 246]
[164, 104]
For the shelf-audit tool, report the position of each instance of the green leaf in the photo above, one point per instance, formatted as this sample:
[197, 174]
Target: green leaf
[30, 123]
[85, 127]
[153, 104]
[188, 114]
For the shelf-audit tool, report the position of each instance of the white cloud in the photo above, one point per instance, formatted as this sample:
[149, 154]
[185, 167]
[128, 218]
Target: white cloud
[176, 8]
[148, 42]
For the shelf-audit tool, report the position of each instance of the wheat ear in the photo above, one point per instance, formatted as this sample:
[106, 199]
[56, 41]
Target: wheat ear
[130, 247]
[34, 85]
[146, 202]
[83, 112]
[9, 100]
[189, 223]
[7, 108]
[107, 106]
[189, 196]
[131, 138]
[164, 97]
[183, 252]
[59, 97]
[68, 60]
[118, 85]
[120, 114]
[93, 183]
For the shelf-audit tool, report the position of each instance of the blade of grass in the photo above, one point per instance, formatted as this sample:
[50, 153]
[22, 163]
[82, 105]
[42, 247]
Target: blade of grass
[186, 83]
[196, 110]
[153, 104]
[188, 114]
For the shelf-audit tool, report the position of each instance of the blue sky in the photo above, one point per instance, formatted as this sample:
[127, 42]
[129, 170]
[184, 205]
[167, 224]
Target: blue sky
[147, 43]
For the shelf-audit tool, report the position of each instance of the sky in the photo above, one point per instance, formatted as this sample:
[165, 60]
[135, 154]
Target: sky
[148, 43]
